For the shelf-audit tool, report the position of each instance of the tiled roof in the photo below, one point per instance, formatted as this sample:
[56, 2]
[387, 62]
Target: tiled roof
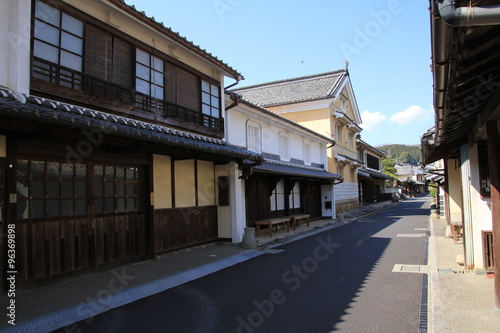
[299, 89]
[175, 36]
[292, 169]
[48, 111]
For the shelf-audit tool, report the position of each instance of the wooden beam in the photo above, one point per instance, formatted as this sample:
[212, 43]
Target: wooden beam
[494, 166]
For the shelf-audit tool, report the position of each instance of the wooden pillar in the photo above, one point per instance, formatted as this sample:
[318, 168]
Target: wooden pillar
[494, 166]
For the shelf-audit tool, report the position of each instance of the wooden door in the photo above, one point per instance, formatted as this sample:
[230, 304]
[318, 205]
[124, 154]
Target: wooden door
[118, 213]
[75, 217]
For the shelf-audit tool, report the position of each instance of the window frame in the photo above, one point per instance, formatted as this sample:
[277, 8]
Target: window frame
[212, 96]
[254, 136]
[306, 152]
[67, 76]
[284, 146]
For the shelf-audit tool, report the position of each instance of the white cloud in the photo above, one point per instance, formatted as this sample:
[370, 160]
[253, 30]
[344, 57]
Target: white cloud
[414, 114]
[372, 119]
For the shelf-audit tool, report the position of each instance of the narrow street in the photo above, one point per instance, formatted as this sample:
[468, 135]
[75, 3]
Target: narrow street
[341, 279]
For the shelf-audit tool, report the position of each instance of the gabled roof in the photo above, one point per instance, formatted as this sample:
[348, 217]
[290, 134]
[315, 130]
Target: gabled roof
[295, 90]
[159, 26]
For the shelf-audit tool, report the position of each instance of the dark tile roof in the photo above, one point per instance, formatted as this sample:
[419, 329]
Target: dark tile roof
[48, 111]
[292, 169]
[175, 36]
[294, 90]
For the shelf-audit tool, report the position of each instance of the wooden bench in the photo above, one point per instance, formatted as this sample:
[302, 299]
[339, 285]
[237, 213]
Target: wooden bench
[271, 222]
[297, 218]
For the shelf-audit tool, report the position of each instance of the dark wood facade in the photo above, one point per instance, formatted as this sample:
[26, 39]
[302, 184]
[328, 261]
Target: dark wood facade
[258, 195]
[177, 228]
[79, 199]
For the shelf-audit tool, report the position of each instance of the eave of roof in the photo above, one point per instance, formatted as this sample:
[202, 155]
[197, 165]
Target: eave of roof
[159, 26]
[295, 170]
[62, 114]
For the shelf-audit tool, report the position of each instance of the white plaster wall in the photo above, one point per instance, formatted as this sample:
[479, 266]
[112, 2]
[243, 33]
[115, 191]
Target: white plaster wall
[346, 191]
[238, 118]
[15, 35]
[481, 213]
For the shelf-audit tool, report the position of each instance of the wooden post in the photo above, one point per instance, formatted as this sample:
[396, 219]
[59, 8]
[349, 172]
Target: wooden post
[494, 166]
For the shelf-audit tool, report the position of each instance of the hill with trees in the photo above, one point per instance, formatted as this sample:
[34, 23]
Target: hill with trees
[403, 154]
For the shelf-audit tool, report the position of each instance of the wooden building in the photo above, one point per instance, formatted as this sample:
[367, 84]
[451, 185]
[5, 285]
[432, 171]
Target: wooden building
[112, 142]
[465, 57]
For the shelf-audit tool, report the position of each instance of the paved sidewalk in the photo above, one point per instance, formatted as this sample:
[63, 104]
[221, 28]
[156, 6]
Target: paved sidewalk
[459, 301]
[56, 305]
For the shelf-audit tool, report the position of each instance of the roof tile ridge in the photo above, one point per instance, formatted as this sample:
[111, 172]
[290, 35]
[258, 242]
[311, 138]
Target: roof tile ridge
[291, 80]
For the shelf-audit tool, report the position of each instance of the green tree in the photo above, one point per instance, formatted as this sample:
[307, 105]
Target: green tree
[389, 167]
[404, 158]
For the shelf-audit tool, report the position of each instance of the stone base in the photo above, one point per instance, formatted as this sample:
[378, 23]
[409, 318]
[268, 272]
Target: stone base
[346, 206]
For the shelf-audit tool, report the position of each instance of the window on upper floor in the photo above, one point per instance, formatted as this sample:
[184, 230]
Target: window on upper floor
[350, 140]
[307, 152]
[58, 39]
[117, 72]
[254, 137]
[338, 130]
[340, 169]
[284, 146]
[372, 162]
[210, 99]
[149, 74]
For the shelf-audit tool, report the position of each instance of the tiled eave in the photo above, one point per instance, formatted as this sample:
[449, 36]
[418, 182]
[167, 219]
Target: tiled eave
[295, 170]
[42, 110]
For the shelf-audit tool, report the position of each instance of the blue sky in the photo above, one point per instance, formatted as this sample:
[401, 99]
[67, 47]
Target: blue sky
[387, 44]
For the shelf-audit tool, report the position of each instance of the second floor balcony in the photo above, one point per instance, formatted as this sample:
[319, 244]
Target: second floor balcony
[55, 81]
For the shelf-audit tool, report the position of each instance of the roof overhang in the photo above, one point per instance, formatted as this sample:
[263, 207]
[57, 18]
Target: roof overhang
[44, 111]
[295, 170]
[466, 75]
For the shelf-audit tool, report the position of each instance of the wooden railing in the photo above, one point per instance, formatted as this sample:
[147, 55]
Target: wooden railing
[101, 89]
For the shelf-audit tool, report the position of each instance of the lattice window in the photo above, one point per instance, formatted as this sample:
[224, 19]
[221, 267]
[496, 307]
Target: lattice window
[58, 39]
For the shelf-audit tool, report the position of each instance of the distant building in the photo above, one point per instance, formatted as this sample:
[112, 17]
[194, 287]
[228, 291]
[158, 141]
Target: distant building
[371, 179]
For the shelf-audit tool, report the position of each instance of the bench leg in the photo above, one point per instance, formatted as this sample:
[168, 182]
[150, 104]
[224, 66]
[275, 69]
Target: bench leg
[258, 230]
[270, 230]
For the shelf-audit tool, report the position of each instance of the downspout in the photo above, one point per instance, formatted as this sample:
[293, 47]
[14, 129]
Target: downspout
[446, 16]
[468, 16]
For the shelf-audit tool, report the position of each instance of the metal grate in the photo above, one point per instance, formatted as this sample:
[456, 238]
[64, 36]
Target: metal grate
[411, 235]
[398, 268]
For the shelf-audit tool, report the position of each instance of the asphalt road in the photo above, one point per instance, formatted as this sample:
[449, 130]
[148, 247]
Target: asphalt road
[337, 280]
